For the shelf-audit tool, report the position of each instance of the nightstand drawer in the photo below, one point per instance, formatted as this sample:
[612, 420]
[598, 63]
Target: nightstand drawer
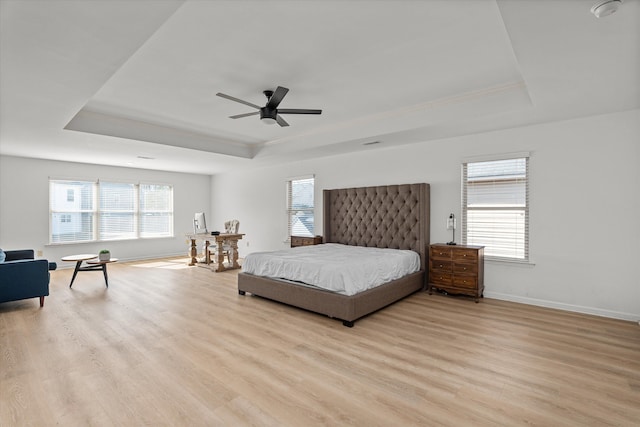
[463, 267]
[305, 241]
[470, 282]
[441, 265]
[465, 255]
[440, 253]
[440, 279]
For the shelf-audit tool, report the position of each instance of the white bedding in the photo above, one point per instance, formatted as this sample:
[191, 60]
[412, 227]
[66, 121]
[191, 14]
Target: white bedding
[340, 268]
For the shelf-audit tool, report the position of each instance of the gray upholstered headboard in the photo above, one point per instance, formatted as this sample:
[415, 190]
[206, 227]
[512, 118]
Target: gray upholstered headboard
[389, 216]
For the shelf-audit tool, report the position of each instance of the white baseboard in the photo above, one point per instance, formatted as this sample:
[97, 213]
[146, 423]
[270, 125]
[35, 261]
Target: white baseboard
[567, 307]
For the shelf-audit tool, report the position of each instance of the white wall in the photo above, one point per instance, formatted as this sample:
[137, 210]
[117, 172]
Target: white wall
[24, 207]
[585, 198]
[584, 194]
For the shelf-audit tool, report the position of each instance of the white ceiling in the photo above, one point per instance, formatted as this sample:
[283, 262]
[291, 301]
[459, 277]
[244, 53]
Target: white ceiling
[133, 83]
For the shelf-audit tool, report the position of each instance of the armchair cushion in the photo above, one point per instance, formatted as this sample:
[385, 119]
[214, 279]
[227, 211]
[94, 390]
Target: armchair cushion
[19, 254]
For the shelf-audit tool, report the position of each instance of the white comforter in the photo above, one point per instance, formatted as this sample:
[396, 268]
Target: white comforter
[340, 268]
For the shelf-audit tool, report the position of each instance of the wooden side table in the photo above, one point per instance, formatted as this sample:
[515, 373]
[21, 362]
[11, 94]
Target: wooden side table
[305, 241]
[458, 269]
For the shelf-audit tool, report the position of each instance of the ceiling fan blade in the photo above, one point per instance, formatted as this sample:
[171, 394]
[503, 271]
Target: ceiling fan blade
[231, 98]
[297, 111]
[281, 121]
[239, 116]
[276, 98]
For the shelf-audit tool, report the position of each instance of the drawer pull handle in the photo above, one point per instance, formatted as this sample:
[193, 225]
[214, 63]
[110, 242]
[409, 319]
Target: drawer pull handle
[440, 265]
[464, 255]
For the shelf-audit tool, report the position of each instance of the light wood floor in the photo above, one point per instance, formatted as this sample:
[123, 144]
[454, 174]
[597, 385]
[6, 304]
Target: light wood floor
[173, 345]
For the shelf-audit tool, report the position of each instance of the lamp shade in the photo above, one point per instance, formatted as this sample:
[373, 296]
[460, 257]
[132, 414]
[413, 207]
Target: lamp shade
[268, 115]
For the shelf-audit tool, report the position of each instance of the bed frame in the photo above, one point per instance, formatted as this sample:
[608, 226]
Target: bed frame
[391, 216]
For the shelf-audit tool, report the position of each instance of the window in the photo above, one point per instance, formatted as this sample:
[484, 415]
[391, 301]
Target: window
[156, 210]
[495, 207]
[86, 211]
[71, 220]
[118, 211]
[300, 197]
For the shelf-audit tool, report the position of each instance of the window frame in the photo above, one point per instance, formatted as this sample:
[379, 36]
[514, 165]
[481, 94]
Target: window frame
[97, 212]
[525, 209]
[144, 211]
[290, 211]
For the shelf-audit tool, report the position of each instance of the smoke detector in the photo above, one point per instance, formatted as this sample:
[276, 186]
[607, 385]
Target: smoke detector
[605, 8]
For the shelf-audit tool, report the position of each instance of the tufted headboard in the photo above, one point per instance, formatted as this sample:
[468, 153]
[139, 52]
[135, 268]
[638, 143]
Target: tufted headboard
[389, 216]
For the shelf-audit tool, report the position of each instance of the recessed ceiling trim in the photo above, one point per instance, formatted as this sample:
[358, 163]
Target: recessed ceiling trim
[103, 124]
[485, 102]
[441, 103]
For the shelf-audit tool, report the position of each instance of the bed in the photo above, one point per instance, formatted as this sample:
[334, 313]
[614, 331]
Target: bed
[391, 216]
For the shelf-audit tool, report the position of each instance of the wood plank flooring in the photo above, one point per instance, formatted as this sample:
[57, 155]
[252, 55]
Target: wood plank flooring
[169, 345]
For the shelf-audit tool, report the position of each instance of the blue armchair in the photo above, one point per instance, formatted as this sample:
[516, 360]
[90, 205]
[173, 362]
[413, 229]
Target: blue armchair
[22, 276]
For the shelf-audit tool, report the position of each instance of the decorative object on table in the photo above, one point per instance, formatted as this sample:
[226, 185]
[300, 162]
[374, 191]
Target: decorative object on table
[199, 223]
[451, 225]
[104, 255]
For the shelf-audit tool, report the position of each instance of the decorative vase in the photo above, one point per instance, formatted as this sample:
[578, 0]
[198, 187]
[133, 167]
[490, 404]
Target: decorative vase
[104, 256]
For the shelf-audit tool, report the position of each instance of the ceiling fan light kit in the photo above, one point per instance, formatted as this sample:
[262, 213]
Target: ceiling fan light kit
[270, 114]
[266, 119]
[605, 8]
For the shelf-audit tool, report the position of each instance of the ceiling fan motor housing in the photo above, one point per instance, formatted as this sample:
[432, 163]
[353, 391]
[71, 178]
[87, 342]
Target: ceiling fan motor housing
[268, 113]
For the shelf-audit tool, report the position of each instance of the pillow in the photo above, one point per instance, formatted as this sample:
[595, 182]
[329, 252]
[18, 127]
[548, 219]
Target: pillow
[3, 256]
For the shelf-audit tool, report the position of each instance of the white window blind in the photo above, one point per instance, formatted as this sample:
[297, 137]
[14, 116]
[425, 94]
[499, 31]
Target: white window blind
[72, 211]
[118, 211]
[156, 210]
[85, 211]
[300, 206]
[495, 207]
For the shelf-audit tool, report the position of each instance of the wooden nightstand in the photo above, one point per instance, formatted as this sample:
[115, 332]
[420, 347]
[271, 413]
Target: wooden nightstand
[458, 269]
[305, 241]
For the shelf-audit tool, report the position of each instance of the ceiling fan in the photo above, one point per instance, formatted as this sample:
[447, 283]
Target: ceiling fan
[270, 113]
